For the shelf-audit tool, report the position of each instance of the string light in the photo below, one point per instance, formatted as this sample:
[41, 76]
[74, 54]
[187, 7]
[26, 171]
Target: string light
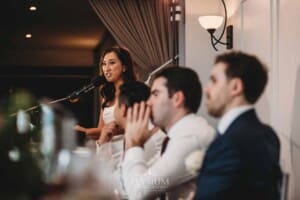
[28, 35]
[32, 8]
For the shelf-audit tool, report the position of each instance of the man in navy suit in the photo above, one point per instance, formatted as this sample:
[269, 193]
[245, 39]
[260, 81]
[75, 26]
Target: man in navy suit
[243, 161]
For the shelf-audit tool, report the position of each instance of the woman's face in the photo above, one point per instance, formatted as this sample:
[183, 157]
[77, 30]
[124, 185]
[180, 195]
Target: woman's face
[112, 68]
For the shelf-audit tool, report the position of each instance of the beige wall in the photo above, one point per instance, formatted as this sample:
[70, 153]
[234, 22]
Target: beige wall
[269, 29]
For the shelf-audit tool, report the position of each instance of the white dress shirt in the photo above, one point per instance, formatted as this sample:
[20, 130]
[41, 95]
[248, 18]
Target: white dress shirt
[168, 173]
[230, 116]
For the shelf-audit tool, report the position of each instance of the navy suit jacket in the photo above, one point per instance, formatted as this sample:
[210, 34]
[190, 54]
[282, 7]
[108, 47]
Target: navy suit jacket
[241, 164]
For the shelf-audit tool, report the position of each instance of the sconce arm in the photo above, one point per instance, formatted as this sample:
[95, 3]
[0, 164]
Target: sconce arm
[224, 27]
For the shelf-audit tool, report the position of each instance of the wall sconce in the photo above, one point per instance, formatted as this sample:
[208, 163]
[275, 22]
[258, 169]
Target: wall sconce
[211, 23]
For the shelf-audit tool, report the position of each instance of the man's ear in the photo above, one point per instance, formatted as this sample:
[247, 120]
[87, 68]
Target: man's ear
[178, 98]
[237, 87]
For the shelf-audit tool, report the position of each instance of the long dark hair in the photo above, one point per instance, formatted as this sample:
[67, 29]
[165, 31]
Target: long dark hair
[108, 89]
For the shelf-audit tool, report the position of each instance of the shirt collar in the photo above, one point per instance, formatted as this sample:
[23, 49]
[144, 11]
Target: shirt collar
[230, 116]
[180, 124]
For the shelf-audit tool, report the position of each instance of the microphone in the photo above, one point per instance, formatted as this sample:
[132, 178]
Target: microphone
[95, 82]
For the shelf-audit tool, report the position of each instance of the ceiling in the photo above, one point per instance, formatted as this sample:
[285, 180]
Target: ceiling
[57, 26]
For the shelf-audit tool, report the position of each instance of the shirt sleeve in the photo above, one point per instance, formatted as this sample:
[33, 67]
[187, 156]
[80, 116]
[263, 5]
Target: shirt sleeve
[169, 171]
[149, 155]
[142, 182]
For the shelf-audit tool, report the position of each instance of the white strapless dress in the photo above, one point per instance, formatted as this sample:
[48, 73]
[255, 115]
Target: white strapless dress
[112, 151]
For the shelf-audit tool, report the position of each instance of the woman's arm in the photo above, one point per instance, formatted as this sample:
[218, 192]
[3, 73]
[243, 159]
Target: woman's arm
[92, 133]
[109, 131]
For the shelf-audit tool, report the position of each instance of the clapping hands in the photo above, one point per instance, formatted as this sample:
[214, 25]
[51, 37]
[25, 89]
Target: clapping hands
[137, 132]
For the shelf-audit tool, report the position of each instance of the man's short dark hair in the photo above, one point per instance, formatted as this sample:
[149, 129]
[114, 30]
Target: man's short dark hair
[186, 80]
[249, 69]
[132, 92]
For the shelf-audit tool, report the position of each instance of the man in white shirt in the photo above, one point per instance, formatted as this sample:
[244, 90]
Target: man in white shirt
[175, 98]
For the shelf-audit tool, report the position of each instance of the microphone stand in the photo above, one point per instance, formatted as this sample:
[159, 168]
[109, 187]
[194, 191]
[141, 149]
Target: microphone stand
[70, 99]
[147, 82]
[35, 107]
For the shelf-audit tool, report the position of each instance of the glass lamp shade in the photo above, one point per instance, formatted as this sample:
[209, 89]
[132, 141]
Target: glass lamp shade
[211, 22]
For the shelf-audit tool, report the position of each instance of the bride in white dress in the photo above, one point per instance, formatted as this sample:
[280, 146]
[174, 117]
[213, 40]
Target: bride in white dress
[117, 67]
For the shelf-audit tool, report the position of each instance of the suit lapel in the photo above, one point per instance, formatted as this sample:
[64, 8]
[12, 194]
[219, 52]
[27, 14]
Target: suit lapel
[242, 121]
